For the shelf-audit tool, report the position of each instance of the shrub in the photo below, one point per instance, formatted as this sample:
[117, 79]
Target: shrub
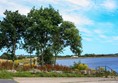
[54, 68]
[7, 65]
[80, 66]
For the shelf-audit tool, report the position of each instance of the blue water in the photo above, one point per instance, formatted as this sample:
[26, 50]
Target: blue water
[111, 62]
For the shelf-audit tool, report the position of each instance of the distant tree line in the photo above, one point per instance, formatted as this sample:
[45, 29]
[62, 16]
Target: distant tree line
[42, 30]
[9, 56]
[99, 55]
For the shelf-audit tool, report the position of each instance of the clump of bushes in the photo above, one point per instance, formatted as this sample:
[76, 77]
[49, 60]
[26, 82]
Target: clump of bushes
[26, 67]
[54, 68]
[7, 65]
[80, 66]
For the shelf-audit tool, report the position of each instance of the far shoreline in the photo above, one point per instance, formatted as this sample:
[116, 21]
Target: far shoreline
[81, 57]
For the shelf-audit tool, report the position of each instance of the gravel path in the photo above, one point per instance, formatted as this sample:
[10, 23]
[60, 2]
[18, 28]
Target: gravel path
[67, 80]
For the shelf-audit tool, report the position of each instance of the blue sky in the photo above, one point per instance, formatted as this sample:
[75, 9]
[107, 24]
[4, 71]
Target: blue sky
[97, 20]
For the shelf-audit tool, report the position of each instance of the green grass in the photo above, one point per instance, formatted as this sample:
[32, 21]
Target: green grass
[22, 74]
[5, 75]
[46, 74]
[9, 75]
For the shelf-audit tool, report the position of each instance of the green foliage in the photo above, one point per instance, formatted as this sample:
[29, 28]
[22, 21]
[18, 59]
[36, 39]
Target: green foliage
[71, 37]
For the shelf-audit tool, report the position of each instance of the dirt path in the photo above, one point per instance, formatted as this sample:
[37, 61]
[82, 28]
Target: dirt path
[66, 80]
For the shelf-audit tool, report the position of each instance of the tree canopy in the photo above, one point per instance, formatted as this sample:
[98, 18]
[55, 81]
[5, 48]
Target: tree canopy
[71, 37]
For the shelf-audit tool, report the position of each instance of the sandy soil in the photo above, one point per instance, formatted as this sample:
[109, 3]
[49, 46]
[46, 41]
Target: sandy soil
[66, 80]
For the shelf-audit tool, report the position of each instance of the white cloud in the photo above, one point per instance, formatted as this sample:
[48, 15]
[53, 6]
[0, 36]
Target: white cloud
[87, 39]
[77, 19]
[100, 34]
[81, 3]
[114, 38]
[97, 31]
[109, 5]
[103, 27]
[12, 5]
[85, 31]
[103, 36]
[43, 1]
[80, 21]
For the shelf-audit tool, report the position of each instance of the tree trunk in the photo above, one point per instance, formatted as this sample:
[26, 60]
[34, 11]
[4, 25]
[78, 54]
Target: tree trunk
[13, 55]
[55, 59]
[42, 58]
[30, 61]
[42, 61]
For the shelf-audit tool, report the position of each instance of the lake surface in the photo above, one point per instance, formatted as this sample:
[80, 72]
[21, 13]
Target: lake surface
[111, 62]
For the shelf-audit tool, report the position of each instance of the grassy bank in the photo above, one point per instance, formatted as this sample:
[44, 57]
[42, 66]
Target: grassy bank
[27, 70]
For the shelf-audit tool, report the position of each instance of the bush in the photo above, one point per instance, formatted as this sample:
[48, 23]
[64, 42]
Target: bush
[80, 66]
[54, 68]
[7, 65]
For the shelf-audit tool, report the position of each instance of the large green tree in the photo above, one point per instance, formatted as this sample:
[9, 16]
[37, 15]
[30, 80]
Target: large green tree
[48, 32]
[42, 23]
[12, 29]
